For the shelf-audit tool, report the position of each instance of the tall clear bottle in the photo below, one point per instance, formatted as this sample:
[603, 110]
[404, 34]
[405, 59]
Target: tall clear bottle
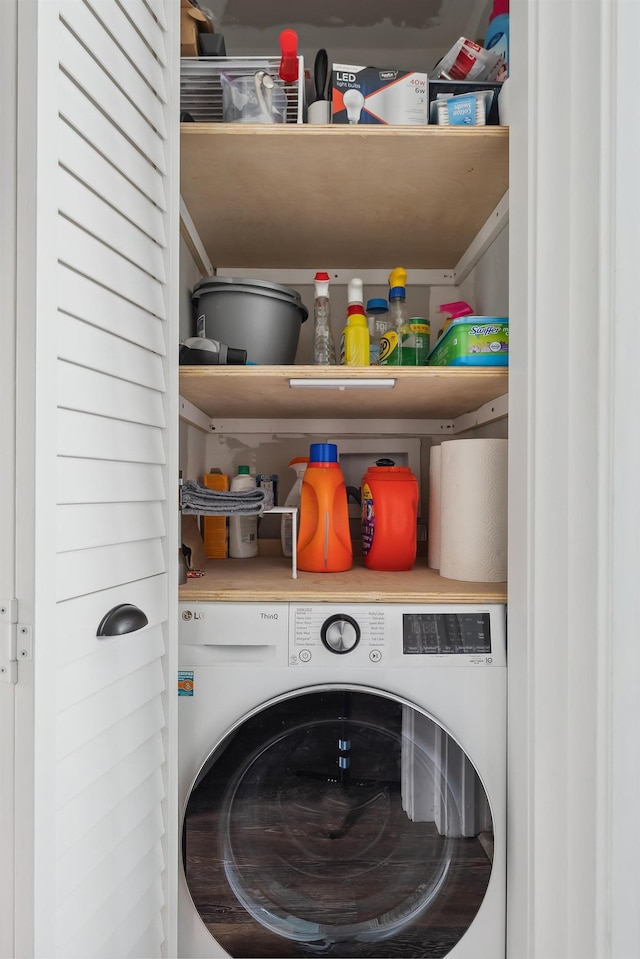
[324, 349]
[391, 342]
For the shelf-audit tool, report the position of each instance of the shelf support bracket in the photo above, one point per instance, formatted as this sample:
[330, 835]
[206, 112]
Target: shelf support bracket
[494, 225]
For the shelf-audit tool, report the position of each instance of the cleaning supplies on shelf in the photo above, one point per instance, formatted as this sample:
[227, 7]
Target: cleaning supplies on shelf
[497, 37]
[355, 336]
[324, 350]
[299, 464]
[455, 311]
[324, 540]
[214, 528]
[389, 516]
[473, 341]
[391, 342]
[414, 346]
[243, 530]
[378, 322]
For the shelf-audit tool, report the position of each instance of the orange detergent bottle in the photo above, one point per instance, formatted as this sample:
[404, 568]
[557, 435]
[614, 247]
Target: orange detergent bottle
[389, 516]
[324, 540]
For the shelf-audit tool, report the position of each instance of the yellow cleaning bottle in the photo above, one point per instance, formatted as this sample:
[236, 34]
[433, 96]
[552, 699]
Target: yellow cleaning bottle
[355, 335]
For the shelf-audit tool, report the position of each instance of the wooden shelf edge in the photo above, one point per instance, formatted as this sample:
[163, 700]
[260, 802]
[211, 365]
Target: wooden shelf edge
[268, 580]
[419, 393]
[338, 130]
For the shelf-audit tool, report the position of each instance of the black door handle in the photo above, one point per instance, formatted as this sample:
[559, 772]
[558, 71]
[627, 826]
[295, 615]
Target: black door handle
[124, 618]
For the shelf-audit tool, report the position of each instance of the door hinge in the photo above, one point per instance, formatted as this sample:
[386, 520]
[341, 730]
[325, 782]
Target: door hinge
[15, 641]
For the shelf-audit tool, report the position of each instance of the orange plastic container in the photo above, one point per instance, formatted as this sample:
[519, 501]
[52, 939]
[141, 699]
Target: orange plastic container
[214, 528]
[389, 517]
[324, 540]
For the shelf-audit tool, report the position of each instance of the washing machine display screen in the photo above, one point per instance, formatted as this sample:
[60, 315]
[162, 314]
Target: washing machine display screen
[437, 634]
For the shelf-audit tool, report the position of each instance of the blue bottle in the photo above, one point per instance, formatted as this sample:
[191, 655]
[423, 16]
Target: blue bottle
[497, 38]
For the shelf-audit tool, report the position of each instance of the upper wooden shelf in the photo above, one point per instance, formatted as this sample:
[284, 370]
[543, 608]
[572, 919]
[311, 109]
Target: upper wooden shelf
[302, 197]
[264, 391]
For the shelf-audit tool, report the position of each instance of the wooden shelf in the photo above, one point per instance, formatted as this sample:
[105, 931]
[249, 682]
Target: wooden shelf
[268, 579]
[301, 197]
[241, 392]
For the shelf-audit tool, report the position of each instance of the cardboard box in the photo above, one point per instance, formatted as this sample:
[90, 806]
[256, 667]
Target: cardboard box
[192, 22]
[379, 96]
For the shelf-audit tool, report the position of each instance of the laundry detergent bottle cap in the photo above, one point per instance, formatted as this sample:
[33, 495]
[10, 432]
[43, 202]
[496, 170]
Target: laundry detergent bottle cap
[243, 471]
[323, 453]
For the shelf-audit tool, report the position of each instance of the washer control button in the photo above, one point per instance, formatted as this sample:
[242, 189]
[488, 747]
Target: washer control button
[375, 655]
[305, 655]
[340, 634]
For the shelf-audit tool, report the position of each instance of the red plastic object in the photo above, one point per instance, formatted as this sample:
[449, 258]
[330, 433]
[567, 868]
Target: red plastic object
[289, 62]
[456, 310]
[389, 518]
[499, 7]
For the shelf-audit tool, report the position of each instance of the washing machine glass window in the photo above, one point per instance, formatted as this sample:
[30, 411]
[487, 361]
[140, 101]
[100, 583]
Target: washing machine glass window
[334, 819]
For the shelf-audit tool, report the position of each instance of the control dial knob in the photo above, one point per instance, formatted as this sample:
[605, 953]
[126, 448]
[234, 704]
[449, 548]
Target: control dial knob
[340, 634]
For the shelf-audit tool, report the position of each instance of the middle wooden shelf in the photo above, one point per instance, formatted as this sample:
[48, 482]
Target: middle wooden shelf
[338, 392]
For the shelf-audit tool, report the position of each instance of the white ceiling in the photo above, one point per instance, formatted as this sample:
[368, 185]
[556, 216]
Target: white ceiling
[407, 34]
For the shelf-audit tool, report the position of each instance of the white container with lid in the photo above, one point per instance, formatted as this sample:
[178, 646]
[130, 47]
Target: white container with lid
[243, 529]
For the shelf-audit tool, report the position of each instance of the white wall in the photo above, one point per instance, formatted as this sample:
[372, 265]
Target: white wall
[401, 35]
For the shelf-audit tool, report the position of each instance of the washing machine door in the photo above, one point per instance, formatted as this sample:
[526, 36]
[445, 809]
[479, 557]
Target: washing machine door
[332, 819]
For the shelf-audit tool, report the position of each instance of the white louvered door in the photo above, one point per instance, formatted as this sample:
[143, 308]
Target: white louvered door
[97, 369]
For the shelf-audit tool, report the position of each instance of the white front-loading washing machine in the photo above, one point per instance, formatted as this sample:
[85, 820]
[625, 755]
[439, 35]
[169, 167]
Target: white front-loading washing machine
[342, 780]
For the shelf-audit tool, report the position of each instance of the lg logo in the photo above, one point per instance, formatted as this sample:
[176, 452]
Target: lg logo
[188, 615]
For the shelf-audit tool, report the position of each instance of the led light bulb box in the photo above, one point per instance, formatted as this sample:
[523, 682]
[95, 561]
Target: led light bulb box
[365, 95]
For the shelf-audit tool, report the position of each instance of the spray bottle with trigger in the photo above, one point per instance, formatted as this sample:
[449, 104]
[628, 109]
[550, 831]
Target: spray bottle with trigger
[391, 342]
[355, 336]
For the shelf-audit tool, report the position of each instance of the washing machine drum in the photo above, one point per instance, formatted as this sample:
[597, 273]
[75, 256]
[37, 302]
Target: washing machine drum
[334, 819]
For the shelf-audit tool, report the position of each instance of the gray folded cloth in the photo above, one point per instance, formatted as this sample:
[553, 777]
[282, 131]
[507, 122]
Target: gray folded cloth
[200, 500]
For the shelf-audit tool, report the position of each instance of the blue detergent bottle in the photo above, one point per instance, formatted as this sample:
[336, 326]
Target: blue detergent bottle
[497, 37]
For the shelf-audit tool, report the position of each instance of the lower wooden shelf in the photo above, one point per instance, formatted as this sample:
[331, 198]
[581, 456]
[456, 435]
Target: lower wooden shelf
[267, 579]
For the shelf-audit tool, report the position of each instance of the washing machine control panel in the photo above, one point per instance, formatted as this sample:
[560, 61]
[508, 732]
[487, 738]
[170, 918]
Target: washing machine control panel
[340, 634]
[382, 636]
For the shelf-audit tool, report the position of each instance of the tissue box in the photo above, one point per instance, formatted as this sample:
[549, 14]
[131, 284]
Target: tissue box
[473, 341]
[380, 96]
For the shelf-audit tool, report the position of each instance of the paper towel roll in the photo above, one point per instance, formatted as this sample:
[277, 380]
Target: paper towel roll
[473, 510]
[433, 529]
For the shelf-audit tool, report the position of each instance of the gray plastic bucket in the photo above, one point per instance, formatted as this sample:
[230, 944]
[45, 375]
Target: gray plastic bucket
[253, 315]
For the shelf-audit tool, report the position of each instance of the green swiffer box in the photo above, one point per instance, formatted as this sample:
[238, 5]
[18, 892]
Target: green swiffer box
[473, 341]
